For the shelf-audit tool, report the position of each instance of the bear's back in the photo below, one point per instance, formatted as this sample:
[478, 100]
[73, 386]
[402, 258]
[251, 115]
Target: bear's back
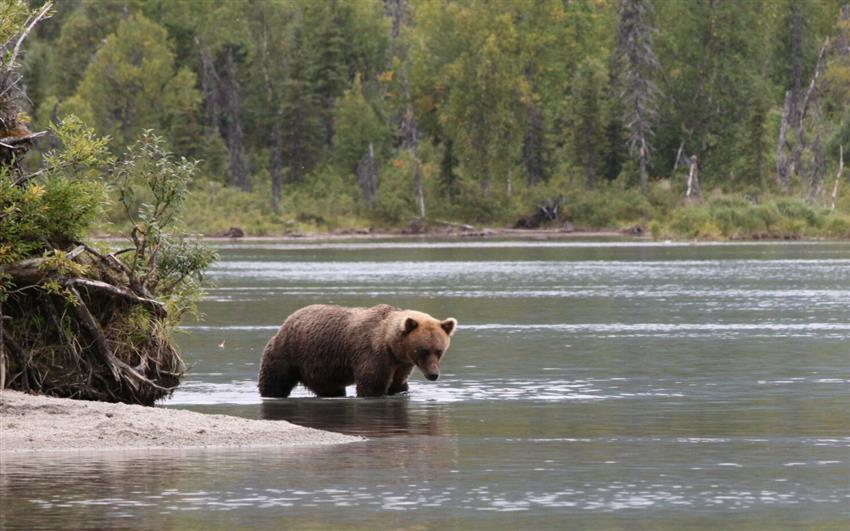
[332, 331]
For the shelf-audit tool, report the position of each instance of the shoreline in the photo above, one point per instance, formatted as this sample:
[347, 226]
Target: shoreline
[354, 234]
[37, 423]
[478, 235]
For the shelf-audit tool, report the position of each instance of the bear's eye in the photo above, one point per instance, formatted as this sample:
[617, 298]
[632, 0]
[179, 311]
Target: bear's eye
[438, 353]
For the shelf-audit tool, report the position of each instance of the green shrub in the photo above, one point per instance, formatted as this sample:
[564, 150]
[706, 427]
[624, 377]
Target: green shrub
[58, 205]
[694, 222]
[607, 208]
[798, 209]
[396, 202]
[837, 225]
[479, 204]
[212, 208]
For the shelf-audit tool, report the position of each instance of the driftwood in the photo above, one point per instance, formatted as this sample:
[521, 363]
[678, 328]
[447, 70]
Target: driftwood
[545, 212]
[461, 226]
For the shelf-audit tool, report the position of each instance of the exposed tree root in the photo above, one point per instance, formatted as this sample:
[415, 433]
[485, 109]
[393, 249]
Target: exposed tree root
[96, 340]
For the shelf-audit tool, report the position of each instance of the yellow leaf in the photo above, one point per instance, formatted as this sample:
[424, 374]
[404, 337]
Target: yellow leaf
[34, 191]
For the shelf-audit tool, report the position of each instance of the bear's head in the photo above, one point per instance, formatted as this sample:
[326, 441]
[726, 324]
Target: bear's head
[423, 340]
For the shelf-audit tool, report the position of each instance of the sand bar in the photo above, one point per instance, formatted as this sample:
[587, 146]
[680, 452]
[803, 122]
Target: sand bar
[44, 424]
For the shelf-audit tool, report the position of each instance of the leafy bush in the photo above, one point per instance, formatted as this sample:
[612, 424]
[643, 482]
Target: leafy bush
[85, 322]
[837, 225]
[607, 208]
[59, 204]
[798, 209]
[734, 217]
[693, 223]
[213, 208]
[396, 202]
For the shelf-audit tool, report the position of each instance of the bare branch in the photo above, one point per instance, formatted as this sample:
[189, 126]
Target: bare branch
[88, 322]
[116, 365]
[819, 68]
[157, 307]
[41, 14]
[108, 259]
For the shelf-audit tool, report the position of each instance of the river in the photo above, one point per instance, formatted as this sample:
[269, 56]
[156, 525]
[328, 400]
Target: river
[610, 385]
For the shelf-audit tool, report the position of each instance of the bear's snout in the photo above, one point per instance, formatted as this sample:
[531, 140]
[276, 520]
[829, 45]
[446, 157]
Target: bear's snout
[430, 368]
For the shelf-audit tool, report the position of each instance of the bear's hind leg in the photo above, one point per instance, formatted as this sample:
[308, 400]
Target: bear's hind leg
[329, 392]
[277, 382]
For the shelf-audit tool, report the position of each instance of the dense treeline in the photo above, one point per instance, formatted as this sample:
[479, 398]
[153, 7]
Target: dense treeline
[355, 112]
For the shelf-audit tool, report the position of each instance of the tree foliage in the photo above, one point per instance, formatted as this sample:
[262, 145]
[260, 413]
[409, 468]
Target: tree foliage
[505, 100]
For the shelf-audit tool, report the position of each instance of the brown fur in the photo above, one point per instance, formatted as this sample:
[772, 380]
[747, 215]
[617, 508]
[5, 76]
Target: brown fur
[328, 347]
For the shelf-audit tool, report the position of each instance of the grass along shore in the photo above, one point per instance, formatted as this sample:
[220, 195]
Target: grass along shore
[609, 211]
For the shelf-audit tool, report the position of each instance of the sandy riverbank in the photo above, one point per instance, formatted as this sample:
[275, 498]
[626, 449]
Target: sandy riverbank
[40, 423]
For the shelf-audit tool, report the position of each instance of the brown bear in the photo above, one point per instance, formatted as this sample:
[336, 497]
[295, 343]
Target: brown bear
[327, 347]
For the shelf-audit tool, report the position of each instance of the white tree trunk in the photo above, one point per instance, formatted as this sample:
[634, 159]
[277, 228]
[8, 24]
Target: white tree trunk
[840, 173]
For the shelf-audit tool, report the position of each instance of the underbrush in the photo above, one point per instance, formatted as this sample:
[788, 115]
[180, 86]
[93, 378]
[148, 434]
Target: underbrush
[332, 203]
[735, 218]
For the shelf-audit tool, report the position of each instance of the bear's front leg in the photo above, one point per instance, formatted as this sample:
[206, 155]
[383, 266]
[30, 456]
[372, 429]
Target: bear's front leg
[372, 381]
[399, 384]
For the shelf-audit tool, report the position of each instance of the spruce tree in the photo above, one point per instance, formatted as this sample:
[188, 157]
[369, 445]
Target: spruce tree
[638, 65]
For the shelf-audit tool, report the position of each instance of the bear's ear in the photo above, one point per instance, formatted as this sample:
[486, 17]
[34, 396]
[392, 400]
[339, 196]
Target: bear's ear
[449, 325]
[410, 325]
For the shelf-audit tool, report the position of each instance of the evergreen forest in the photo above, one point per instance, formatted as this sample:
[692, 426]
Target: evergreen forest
[677, 118]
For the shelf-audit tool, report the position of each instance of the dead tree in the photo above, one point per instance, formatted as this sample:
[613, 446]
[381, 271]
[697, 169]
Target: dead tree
[397, 11]
[693, 191]
[367, 175]
[789, 160]
[275, 138]
[222, 102]
[839, 175]
[810, 99]
[817, 170]
[783, 173]
[638, 93]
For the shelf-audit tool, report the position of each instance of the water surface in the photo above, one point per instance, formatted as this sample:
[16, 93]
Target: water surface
[605, 385]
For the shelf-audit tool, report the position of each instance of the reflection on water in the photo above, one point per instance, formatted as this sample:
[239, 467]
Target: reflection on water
[592, 385]
[383, 417]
